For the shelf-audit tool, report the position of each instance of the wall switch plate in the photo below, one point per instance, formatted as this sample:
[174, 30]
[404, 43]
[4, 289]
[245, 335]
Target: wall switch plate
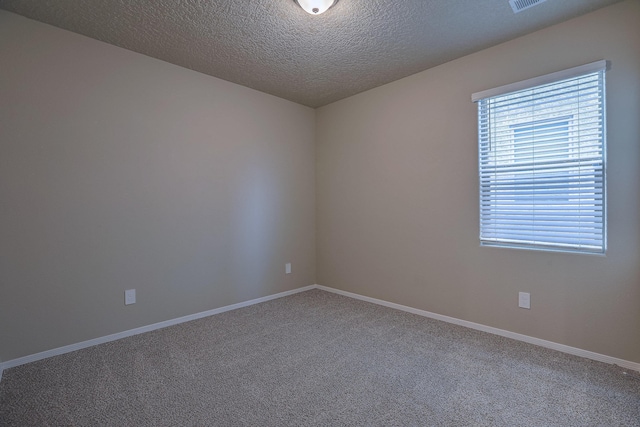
[524, 300]
[129, 296]
[287, 268]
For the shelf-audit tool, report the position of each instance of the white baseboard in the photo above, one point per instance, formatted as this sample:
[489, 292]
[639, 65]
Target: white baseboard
[89, 343]
[513, 335]
[520, 337]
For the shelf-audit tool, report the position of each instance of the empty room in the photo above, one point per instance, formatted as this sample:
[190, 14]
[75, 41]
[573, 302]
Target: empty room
[320, 212]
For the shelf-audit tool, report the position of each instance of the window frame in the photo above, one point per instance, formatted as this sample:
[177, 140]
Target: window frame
[536, 239]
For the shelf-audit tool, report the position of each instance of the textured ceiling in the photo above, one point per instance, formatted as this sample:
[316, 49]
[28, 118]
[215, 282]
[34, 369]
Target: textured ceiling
[275, 47]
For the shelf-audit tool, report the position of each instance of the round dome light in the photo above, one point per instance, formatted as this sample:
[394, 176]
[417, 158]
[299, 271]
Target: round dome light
[315, 7]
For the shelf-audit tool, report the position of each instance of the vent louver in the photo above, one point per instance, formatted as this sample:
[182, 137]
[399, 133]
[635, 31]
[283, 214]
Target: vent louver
[520, 5]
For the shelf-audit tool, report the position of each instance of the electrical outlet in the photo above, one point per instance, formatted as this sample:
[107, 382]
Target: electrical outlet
[287, 268]
[129, 296]
[524, 300]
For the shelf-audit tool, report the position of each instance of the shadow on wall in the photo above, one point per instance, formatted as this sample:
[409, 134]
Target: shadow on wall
[255, 232]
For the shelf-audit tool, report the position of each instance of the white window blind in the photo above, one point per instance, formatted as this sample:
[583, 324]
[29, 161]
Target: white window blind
[542, 162]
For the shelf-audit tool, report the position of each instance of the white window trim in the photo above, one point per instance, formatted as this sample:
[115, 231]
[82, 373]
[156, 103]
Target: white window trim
[597, 66]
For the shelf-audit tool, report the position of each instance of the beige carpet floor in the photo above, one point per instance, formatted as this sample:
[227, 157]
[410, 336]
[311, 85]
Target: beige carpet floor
[315, 359]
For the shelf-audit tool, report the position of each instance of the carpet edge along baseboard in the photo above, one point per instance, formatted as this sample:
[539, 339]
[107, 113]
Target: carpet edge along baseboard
[142, 329]
[477, 326]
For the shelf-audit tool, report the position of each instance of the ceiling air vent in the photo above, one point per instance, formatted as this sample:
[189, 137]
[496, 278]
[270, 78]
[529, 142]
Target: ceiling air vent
[520, 5]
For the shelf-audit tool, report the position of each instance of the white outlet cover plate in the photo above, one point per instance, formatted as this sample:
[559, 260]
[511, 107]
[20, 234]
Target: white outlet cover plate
[524, 300]
[287, 268]
[129, 296]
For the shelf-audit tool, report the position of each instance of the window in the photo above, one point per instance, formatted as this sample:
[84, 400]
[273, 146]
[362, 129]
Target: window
[542, 162]
[523, 135]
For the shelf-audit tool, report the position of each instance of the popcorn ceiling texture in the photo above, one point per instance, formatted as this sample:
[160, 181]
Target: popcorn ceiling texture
[275, 47]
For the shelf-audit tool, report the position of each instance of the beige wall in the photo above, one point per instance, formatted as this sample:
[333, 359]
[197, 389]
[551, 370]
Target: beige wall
[397, 195]
[120, 171]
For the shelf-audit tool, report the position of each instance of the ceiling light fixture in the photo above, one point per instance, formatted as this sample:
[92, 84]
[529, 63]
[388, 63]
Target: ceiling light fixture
[315, 7]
